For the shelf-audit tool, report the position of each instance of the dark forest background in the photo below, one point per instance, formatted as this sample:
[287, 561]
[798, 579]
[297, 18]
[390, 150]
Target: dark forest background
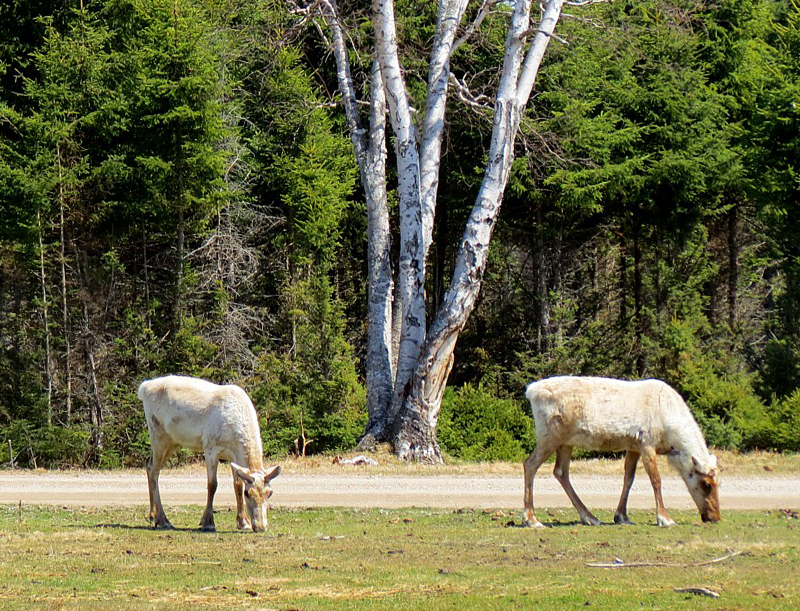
[178, 194]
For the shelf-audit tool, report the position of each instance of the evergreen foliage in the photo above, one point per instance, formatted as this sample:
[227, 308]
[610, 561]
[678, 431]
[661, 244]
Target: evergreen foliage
[178, 195]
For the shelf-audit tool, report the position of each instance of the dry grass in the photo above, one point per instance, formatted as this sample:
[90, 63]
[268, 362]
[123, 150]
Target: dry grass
[733, 463]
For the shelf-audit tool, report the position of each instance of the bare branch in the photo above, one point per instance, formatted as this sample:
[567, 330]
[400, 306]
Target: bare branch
[483, 12]
[304, 12]
[586, 2]
[553, 35]
[597, 23]
[618, 564]
[698, 591]
[479, 103]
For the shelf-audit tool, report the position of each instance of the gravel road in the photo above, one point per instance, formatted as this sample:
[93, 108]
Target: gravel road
[360, 488]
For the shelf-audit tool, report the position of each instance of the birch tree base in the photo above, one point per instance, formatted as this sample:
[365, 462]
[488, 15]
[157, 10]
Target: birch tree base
[414, 439]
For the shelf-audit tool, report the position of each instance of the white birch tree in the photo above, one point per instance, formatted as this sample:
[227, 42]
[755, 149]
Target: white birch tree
[404, 390]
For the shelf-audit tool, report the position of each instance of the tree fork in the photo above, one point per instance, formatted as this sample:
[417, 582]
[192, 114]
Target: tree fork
[425, 359]
[415, 430]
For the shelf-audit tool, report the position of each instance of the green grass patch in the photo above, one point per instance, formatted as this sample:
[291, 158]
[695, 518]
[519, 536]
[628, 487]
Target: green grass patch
[323, 559]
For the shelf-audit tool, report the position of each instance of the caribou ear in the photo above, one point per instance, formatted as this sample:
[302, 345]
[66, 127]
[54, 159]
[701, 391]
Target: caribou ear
[706, 467]
[242, 473]
[272, 473]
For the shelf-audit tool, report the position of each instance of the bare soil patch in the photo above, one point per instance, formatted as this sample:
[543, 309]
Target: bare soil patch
[347, 486]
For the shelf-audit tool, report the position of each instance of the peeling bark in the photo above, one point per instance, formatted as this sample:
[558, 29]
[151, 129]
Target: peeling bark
[370, 148]
[411, 261]
[380, 361]
[421, 409]
[425, 355]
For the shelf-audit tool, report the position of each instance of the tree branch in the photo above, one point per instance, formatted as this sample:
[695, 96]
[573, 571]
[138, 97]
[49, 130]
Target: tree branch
[533, 58]
[480, 103]
[552, 35]
[586, 2]
[483, 12]
[305, 12]
[330, 14]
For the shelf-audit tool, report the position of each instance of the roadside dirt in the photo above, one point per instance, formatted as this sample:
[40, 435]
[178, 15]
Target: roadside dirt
[358, 487]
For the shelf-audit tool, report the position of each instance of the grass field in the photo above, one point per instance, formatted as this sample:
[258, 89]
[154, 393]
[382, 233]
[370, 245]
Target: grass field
[53, 558]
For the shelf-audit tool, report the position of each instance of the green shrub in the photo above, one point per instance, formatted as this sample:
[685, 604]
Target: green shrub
[476, 425]
[312, 390]
[786, 422]
[774, 428]
[42, 446]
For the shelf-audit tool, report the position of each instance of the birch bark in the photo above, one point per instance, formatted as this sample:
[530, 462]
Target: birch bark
[414, 436]
[380, 358]
[370, 148]
[451, 12]
[411, 261]
[424, 360]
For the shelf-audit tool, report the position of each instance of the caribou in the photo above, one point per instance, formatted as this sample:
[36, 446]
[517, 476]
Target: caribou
[219, 421]
[642, 418]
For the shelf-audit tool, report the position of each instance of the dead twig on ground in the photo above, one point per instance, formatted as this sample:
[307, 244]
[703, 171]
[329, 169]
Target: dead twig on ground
[618, 564]
[698, 591]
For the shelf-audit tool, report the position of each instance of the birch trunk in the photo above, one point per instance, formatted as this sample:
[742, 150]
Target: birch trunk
[451, 12]
[370, 149]
[423, 361]
[380, 358]
[411, 262]
[414, 436]
[418, 185]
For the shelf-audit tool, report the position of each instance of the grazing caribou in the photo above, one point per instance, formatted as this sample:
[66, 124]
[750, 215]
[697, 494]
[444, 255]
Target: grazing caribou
[643, 418]
[221, 422]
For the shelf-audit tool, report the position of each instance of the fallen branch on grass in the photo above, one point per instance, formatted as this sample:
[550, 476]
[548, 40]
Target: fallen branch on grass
[698, 591]
[631, 565]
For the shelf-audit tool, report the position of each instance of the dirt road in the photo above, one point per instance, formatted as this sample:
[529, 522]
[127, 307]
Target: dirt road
[360, 488]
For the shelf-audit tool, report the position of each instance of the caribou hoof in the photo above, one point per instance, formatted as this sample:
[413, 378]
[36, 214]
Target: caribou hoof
[166, 525]
[665, 521]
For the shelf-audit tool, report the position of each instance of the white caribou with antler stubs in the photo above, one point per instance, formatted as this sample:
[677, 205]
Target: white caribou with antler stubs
[219, 421]
[643, 418]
